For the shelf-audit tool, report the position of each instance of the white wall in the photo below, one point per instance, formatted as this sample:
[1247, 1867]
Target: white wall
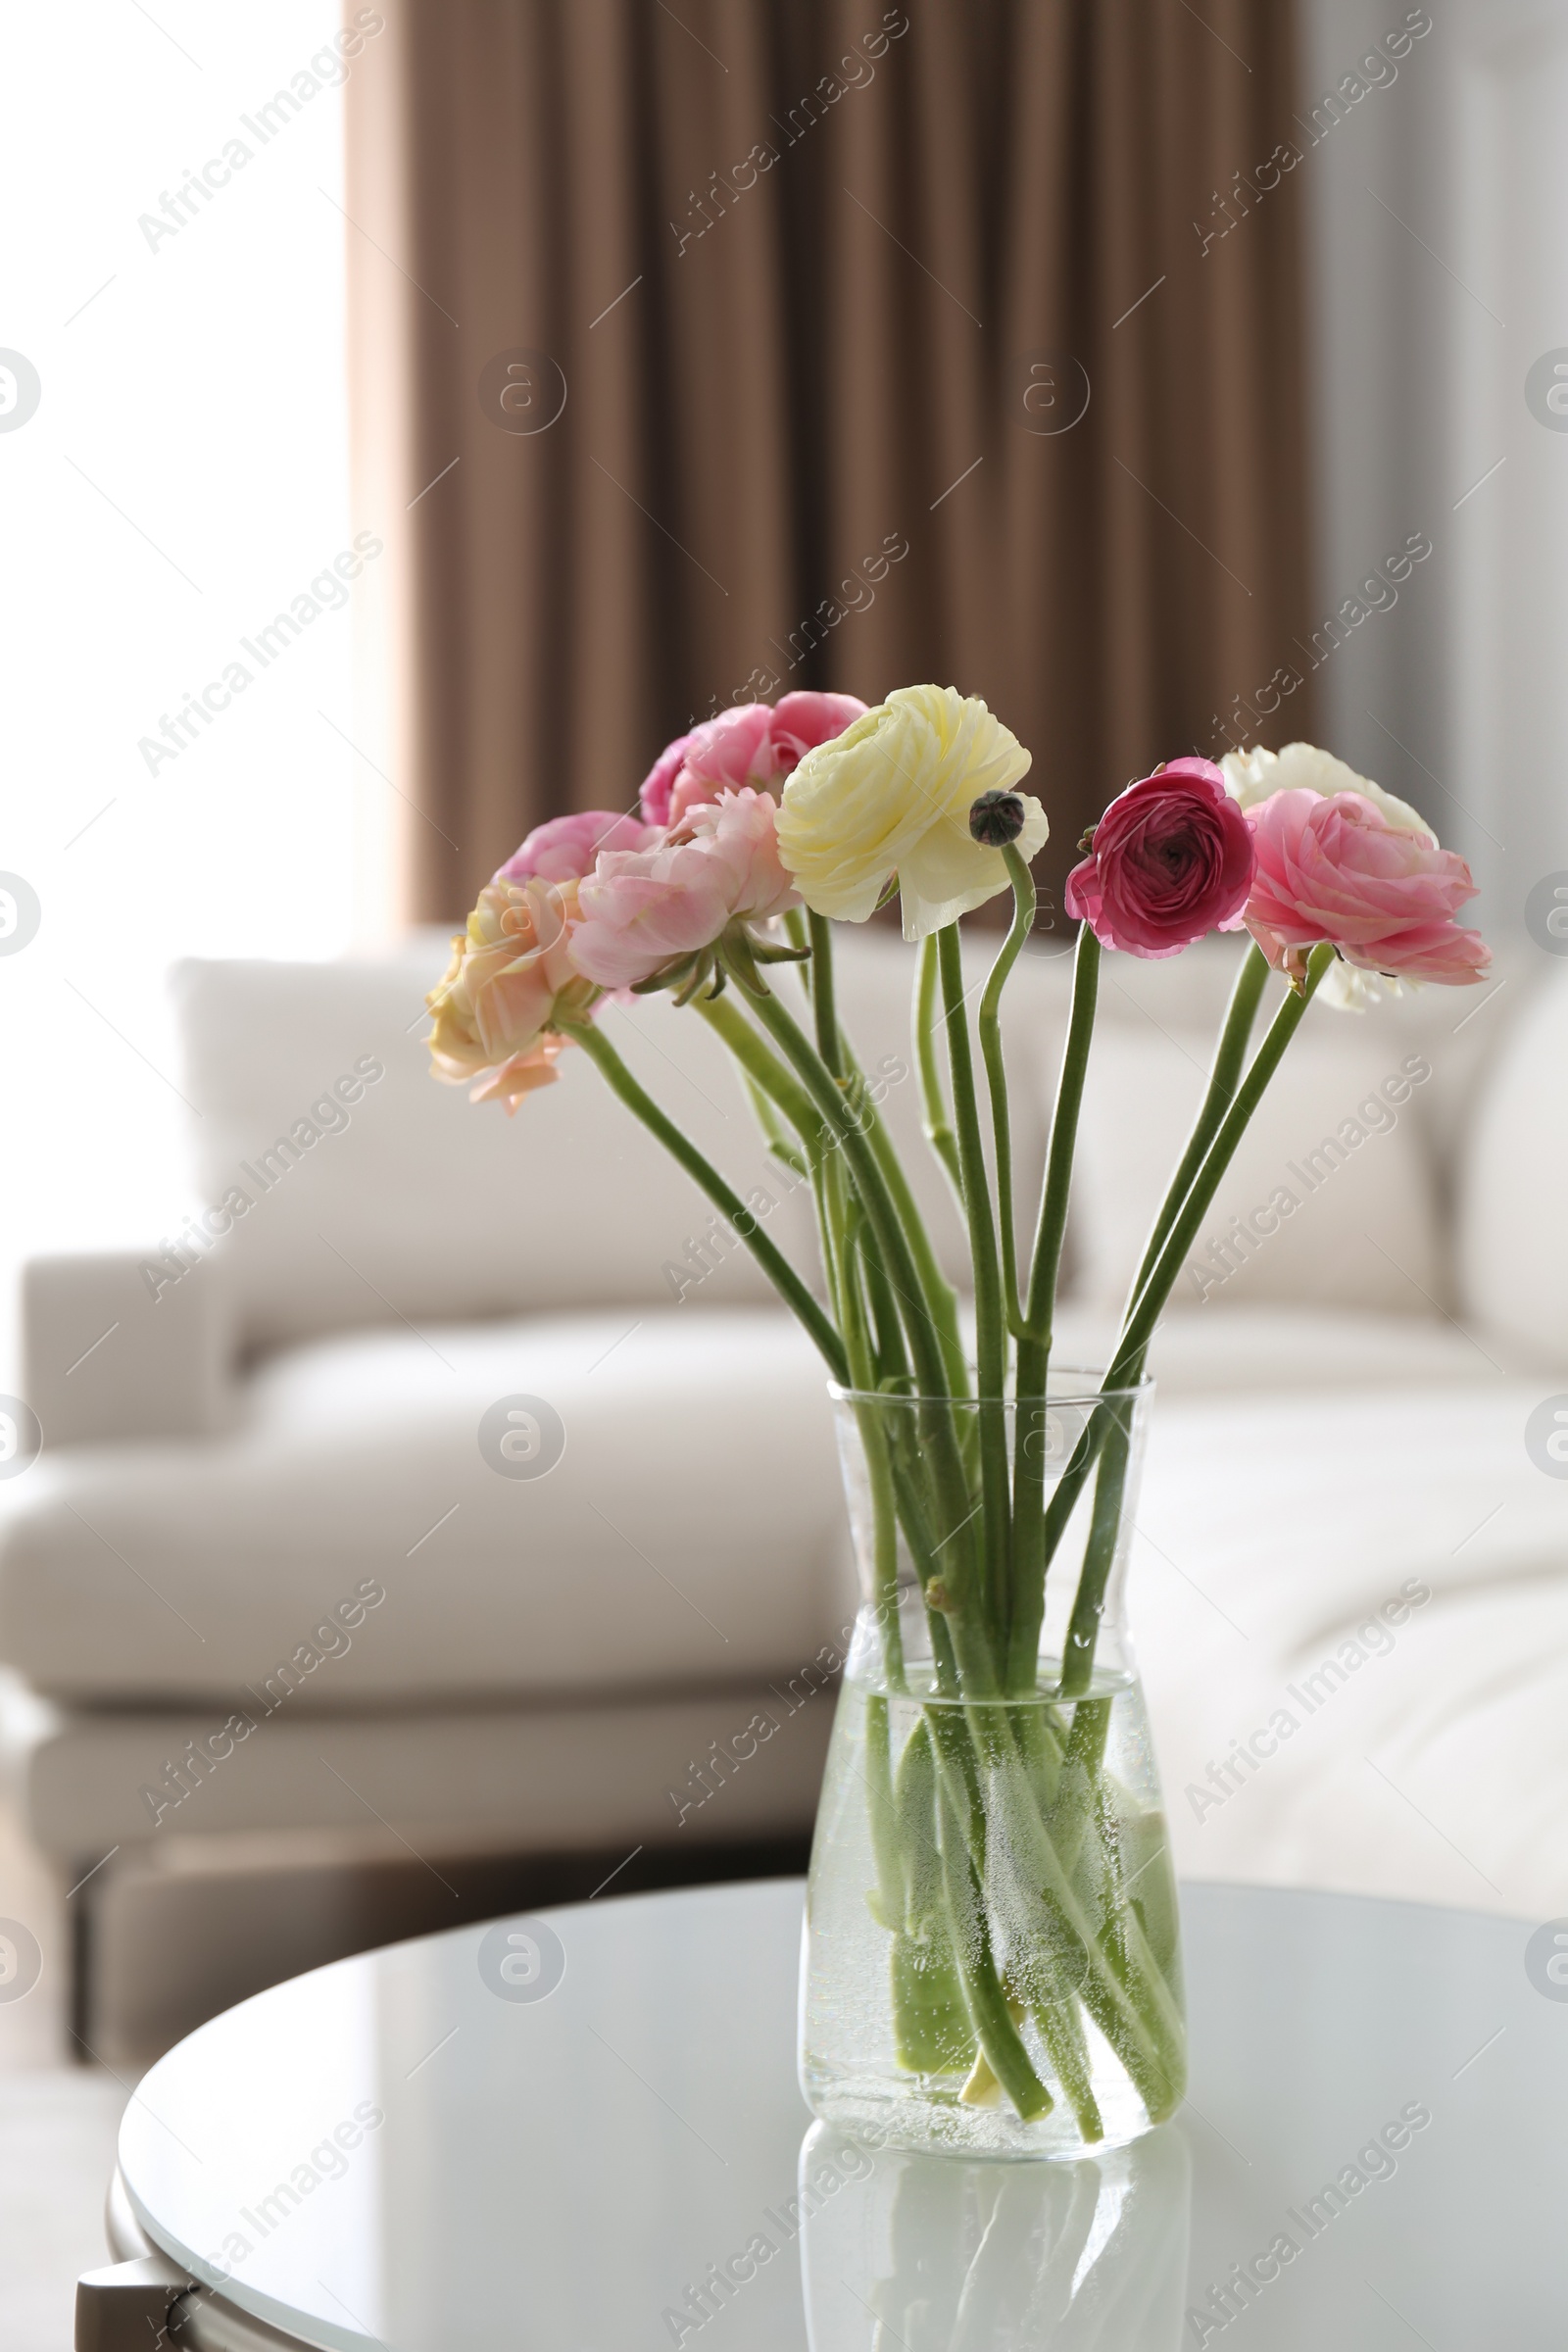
[1425, 325]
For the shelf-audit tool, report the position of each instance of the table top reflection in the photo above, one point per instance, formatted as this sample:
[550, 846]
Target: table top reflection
[582, 2132]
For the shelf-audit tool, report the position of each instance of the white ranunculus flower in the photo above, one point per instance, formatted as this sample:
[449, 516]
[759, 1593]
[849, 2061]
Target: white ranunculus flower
[892, 794]
[1346, 988]
[1257, 776]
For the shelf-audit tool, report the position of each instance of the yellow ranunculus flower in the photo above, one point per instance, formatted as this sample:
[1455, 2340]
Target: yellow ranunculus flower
[892, 794]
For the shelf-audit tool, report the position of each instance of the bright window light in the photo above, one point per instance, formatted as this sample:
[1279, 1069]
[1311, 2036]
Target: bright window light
[179, 763]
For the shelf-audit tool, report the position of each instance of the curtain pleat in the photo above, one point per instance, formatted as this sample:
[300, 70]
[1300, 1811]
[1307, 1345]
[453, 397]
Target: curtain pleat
[820, 278]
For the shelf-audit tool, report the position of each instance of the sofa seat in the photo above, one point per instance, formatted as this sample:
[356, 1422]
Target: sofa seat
[692, 1530]
[1397, 1746]
[1275, 1349]
[691, 1534]
[554, 1655]
[535, 1779]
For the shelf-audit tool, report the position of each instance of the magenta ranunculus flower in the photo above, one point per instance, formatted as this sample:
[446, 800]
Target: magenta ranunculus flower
[564, 849]
[1332, 866]
[756, 744]
[1170, 861]
[646, 909]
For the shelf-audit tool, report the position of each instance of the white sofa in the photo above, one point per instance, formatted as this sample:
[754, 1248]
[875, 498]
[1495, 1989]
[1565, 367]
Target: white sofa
[264, 1545]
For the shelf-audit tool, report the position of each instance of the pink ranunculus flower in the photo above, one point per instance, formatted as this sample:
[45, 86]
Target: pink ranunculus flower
[511, 978]
[754, 744]
[735, 749]
[1170, 861]
[740, 831]
[655, 792]
[1333, 867]
[646, 909]
[803, 720]
[564, 849]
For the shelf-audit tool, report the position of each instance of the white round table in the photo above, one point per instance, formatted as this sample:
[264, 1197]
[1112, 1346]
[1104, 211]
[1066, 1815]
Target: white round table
[583, 2134]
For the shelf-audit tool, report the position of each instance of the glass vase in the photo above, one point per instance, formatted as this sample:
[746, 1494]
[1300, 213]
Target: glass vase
[992, 1959]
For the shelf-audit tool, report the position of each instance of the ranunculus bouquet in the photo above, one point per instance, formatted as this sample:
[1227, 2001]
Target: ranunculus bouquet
[991, 1955]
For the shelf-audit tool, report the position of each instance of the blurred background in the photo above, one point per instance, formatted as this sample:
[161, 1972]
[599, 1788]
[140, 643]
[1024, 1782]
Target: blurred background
[1105, 359]
[411, 416]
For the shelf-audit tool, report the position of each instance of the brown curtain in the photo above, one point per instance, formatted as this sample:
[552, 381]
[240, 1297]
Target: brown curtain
[823, 284]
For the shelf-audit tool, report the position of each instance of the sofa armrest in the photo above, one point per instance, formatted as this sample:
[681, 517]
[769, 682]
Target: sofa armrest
[112, 1348]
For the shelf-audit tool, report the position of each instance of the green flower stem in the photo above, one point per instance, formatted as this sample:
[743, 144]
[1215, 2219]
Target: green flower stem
[913, 1513]
[990, 1026]
[1164, 2008]
[1051, 1223]
[1135, 1970]
[1139, 1326]
[1132, 1347]
[966, 1604]
[1230, 1053]
[833, 1209]
[1067, 1822]
[839, 1220]
[915, 1796]
[1100, 1552]
[774, 1131]
[956, 1511]
[1056, 2016]
[938, 1131]
[963, 1877]
[937, 1293]
[851, 1265]
[1031, 1554]
[990, 1349]
[776, 1084]
[986, 1799]
[849, 1125]
[880, 1809]
[885, 1556]
[824, 1003]
[764, 1069]
[1039, 1884]
[892, 1357]
[774, 1264]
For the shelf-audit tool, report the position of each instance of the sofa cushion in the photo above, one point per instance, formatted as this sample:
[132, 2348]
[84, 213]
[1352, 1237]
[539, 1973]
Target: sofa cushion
[1331, 1200]
[1512, 1224]
[362, 1191]
[691, 1531]
[358, 1190]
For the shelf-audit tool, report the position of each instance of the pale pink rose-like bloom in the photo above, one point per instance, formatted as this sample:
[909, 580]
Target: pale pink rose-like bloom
[564, 848]
[644, 910]
[740, 832]
[511, 978]
[754, 744]
[1334, 867]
